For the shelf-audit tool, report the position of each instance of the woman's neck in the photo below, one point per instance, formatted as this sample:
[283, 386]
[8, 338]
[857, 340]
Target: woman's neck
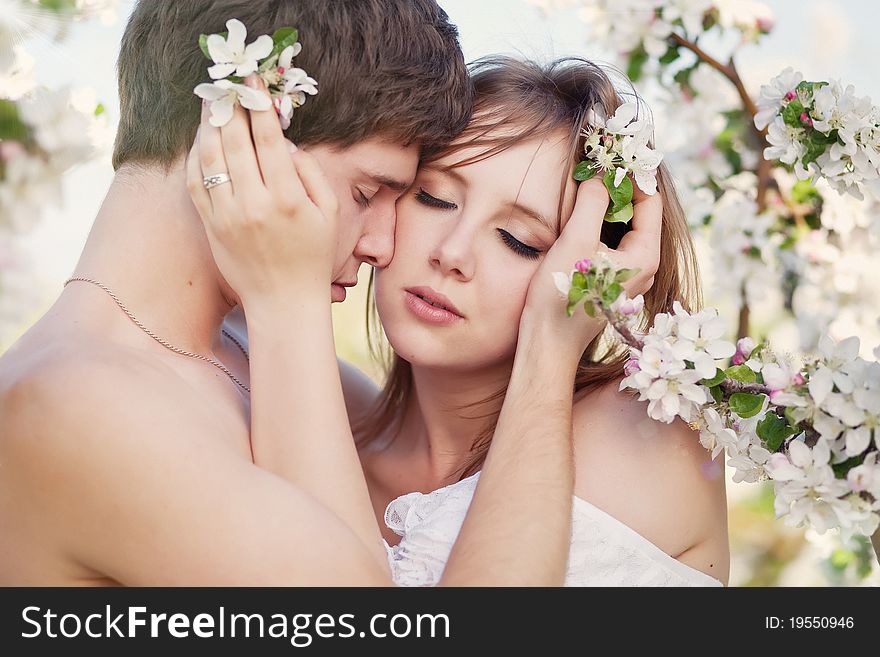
[446, 413]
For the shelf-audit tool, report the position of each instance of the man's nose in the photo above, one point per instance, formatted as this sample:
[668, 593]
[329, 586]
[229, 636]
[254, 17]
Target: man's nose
[376, 246]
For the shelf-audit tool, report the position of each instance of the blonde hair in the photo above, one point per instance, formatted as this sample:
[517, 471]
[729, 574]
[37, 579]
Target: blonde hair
[531, 100]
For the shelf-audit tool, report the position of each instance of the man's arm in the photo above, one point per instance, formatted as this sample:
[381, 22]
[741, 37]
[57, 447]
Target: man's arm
[146, 490]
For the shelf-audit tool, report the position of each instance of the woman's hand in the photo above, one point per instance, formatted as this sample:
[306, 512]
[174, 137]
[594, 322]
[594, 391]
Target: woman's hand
[639, 249]
[272, 228]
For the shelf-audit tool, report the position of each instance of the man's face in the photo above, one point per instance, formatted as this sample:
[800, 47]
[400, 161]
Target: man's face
[367, 178]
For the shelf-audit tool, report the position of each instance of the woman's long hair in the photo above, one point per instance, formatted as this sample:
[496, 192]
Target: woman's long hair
[528, 100]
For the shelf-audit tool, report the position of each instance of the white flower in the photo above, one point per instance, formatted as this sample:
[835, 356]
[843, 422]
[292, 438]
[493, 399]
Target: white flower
[230, 54]
[626, 306]
[700, 340]
[223, 94]
[562, 282]
[773, 94]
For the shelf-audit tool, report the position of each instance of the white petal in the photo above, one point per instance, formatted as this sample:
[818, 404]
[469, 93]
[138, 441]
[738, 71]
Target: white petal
[247, 67]
[237, 35]
[857, 441]
[622, 117]
[254, 99]
[260, 49]
[220, 71]
[210, 91]
[799, 454]
[286, 57]
[222, 111]
[848, 349]
[619, 174]
[820, 384]
[219, 49]
[562, 282]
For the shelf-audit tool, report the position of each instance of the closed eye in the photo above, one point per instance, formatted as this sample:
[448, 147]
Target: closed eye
[425, 198]
[363, 200]
[518, 247]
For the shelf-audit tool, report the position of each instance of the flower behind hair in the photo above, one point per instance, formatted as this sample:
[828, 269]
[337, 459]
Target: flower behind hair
[270, 58]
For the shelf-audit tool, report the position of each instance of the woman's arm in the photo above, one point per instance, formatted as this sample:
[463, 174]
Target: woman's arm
[518, 528]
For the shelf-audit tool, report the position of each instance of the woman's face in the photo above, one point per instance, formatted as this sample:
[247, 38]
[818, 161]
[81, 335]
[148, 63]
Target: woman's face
[467, 242]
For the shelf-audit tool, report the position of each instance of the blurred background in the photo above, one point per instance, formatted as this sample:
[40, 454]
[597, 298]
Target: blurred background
[69, 47]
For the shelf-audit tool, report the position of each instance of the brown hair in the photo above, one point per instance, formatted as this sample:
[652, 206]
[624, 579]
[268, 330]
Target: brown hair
[390, 68]
[534, 100]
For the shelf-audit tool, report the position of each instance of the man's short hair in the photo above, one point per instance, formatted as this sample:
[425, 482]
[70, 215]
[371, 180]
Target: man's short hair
[385, 68]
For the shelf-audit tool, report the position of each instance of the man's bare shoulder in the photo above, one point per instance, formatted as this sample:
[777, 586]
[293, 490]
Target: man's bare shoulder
[59, 392]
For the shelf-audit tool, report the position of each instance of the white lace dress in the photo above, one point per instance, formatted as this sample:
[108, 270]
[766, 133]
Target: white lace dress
[604, 551]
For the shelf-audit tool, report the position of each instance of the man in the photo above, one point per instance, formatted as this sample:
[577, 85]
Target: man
[126, 448]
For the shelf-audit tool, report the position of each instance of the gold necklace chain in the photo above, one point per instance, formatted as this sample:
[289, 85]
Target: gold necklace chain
[220, 366]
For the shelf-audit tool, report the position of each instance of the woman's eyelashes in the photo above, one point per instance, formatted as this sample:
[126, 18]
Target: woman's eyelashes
[518, 247]
[425, 198]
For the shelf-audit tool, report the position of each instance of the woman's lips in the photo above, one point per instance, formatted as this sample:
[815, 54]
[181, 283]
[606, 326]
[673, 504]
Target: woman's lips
[427, 312]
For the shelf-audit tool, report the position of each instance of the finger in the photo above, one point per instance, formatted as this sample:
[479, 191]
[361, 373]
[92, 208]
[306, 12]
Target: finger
[194, 182]
[272, 149]
[647, 224]
[212, 161]
[584, 226]
[315, 183]
[238, 148]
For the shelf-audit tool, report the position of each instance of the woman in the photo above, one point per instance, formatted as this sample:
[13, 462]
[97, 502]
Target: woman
[649, 505]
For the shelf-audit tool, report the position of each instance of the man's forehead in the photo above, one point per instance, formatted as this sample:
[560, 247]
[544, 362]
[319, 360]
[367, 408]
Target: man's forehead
[384, 162]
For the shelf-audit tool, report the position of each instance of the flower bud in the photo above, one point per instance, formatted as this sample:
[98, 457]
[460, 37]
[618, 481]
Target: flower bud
[631, 367]
[790, 96]
[583, 266]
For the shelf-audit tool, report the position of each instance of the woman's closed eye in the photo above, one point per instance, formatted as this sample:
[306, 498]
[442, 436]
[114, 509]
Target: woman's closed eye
[425, 198]
[520, 248]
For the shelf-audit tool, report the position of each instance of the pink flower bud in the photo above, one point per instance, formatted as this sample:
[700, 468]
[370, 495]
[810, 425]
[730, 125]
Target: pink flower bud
[806, 120]
[790, 96]
[583, 266]
[10, 150]
[281, 70]
[765, 24]
[738, 358]
[745, 347]
[798, 379]
[631, 367]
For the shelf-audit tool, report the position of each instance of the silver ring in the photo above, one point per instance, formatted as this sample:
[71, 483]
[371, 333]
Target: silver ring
[216, 179]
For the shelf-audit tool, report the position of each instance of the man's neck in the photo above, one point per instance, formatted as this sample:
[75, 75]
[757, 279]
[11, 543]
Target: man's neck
[148, 245]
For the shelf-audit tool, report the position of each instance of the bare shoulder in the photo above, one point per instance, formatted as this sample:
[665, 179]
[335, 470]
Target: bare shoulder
[654, 477]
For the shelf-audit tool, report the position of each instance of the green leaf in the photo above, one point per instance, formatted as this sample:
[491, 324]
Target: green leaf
[579, 281]
[622, 194]
[717, 394]
[773, 430]
[622, 215]
[585, 170]
[840, 469]
[590, 309]
[637, 60]
[742, 373]
[610, 293]
[804, 191]
[814, 148]
[575, 295]
[745, 404]
[11, 125]
[670, 55]
[286, 36]
[720, 376]
[623, 275]
[100, 109]
[792, 114]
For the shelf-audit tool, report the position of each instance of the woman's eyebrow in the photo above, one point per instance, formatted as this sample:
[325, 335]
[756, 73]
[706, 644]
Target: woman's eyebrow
[531, 213]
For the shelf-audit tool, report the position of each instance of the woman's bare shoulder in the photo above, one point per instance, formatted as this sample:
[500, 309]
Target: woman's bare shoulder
[655, 477]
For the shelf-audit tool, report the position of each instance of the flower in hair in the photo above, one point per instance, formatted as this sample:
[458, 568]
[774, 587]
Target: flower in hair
[616, 147]
[270, 57]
